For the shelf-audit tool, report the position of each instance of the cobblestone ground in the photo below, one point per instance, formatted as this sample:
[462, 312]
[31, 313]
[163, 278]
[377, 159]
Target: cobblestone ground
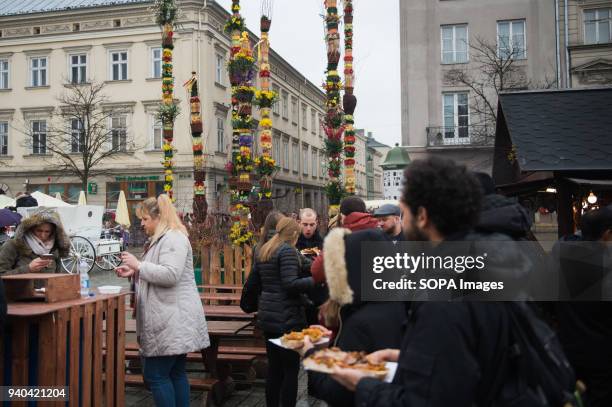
[251, 397]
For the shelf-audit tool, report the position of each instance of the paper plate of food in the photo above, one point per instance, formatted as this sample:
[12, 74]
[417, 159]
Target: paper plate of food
[325, 360]
[295, 340]
[313, 251]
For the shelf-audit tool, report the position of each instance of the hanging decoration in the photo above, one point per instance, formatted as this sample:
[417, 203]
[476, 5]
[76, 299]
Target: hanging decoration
[349, 101]
[166, 13]
[241, 69]
[200, 206]
[333, 121]
[265, 98]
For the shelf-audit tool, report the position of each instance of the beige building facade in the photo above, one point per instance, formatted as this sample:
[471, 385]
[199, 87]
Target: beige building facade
[119, 44]
[586, 45]
[439, 117]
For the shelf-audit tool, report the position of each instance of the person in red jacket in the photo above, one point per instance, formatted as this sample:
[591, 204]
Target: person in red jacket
[353, 216]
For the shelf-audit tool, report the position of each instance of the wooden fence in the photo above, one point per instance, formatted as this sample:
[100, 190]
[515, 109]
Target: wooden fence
[226, 264]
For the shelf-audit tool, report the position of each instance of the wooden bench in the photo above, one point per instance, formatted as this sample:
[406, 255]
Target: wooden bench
[224, 297]
[243, 350]
[197, 357]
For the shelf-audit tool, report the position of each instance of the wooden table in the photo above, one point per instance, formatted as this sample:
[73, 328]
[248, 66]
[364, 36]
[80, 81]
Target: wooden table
[60, 344]
[225, 297]
[221, 287]
[226, 312]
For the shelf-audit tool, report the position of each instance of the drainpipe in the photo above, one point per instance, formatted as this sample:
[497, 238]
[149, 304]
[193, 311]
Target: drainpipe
[567, 53]
[558, 46]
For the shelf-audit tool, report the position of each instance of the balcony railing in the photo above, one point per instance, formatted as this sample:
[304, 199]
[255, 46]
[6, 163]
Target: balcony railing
[467, 136]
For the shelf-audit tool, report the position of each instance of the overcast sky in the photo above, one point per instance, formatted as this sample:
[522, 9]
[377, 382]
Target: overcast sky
[297, 34]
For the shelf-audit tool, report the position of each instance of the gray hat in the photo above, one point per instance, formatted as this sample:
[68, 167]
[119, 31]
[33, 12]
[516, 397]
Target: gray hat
[387, 210]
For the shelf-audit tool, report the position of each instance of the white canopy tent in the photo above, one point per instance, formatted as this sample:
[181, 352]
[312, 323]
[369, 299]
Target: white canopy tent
[47, 200]
[6, 200]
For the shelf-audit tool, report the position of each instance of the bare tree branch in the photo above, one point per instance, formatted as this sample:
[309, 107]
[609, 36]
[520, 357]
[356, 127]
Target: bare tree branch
[493, 71]
[79, 136]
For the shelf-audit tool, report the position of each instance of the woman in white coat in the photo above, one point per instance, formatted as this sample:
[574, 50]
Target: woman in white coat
[169, 315]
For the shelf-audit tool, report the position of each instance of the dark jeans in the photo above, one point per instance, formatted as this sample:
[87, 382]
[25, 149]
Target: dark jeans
[282, 380]
[167, 379]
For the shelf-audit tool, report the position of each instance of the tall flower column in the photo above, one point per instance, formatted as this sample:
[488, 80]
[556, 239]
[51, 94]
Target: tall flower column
[200, 206]
[333, 121]
[349, 101]
[241, 69]
[264, 99]
[166, 15]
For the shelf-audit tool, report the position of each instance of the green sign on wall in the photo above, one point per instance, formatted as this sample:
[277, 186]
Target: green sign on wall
[144, 178]
[92, 188]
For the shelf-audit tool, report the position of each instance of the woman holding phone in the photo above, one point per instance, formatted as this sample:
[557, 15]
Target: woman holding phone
[169, 315]
[38, 245]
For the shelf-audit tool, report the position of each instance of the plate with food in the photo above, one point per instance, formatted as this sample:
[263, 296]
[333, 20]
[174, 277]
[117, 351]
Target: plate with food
[312, 251]
[325, 360]
[295, 340]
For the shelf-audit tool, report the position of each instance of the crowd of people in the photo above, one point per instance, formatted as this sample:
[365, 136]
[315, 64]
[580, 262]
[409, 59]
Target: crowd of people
[451, 353]
[457, 353]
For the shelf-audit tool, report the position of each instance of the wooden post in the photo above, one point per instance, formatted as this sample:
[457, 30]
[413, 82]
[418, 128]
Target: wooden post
[565, 218]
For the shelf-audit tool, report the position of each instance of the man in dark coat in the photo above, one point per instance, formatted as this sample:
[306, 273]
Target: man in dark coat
[585, 327]
[310, 237]
[450, 351]
[362, 322]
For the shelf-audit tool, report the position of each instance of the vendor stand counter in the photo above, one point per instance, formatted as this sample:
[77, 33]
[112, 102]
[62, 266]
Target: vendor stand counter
[61, 344]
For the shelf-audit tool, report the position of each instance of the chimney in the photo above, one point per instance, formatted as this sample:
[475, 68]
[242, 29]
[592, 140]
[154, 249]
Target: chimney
[369, 134]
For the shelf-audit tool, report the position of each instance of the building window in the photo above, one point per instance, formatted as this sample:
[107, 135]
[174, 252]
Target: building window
[38, 71]
[454, 44]
[276, 150]
[219, 68]
[511, 39]
[4, 74]
[39, 137]
[304, 116]
[313, 121]
[77, 139]
[36, 30]
[119, 65]
[296, 157]
[286, 154]
[3, 138]
[285, 105]
[598, 26]
[294, 110]
[119, 133]
[305, 160]
[456, 116]
[78, 68]
[76, 27]
[275, 106]
[156, 63]
[315, 162]
[220, 134]
[156, 132]
[321, 167]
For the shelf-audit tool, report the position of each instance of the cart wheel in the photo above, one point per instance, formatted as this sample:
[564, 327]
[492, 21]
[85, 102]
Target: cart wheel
[108, 261]
[80, 248]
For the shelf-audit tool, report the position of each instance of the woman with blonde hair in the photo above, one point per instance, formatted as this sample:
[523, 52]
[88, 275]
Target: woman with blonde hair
[169, 315]
[281, 309]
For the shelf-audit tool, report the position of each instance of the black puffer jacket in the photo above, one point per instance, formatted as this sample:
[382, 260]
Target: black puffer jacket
[281, 307]
[503, 215]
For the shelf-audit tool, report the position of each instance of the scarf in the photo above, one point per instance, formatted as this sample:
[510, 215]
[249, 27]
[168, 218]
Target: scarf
[37, 245]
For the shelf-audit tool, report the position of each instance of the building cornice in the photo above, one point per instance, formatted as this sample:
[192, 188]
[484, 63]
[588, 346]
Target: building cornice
[33, 52]
[7, 113]
[78, 48]
[37, 110]
[118, 45]
[6, 54]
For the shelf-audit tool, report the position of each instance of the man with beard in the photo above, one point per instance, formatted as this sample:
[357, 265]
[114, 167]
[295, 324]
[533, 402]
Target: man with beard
[389, 221]
[453, 353]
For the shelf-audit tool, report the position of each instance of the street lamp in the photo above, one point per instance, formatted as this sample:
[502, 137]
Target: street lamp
[592, 198]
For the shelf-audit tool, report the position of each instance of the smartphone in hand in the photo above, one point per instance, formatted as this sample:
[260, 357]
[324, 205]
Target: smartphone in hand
[47, 256]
